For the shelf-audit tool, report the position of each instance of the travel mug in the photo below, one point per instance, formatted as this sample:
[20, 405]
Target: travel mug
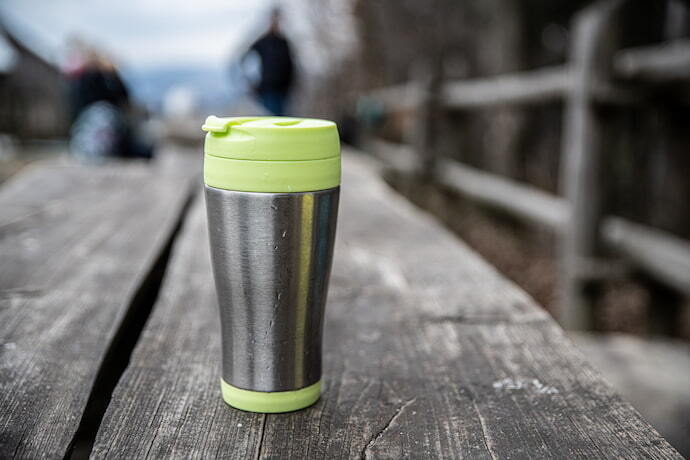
[272, 187]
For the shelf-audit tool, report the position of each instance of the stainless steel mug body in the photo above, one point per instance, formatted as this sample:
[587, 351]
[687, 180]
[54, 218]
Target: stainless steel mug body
[271, 255]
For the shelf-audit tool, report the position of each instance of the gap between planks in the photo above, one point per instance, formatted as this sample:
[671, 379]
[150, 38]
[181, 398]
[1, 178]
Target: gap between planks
[119, 351]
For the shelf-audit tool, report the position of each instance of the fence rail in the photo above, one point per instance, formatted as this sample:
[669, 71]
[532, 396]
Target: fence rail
[661, 253]
[662, 63]
[653, 64]
[535, 87]
[595, 75]
[527, 202]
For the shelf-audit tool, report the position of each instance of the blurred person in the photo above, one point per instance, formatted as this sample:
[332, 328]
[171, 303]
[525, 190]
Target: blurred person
[277, 67]
[74, 66]
[99, 99]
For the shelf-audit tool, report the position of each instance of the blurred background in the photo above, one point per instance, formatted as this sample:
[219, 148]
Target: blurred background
[551, 136]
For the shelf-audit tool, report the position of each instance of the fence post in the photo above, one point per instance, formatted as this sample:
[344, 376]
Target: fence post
[581, 160]
[424, 132]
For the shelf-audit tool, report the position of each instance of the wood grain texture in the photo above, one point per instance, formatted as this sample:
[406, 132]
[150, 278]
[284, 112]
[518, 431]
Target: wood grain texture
[429, 353]
[75, 243]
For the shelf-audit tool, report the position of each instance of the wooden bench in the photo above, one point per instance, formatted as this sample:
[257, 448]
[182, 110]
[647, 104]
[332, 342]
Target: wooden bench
[429, 352]
[80, 251]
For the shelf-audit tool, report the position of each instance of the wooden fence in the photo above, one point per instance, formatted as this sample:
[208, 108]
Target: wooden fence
[591, 78]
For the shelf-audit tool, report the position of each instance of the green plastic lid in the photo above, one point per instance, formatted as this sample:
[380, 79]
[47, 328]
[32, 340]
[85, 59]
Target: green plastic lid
[271, 154]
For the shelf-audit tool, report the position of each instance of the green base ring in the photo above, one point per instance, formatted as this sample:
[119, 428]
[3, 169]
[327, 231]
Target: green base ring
[270, 402]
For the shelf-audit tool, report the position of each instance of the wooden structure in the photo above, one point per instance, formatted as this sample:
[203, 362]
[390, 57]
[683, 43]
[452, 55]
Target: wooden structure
[82, 250]
[587, 82]
[33, 94]
[110, 339]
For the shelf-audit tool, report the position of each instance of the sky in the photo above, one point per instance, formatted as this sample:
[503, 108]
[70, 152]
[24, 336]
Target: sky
[158, 45]
[141, 34]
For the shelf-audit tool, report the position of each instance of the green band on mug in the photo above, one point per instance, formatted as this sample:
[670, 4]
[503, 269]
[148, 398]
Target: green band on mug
[270, 402]
[271, 176]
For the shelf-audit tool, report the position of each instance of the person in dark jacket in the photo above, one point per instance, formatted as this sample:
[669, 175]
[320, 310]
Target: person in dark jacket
[103, 125]
[95, 79]
[277, 68]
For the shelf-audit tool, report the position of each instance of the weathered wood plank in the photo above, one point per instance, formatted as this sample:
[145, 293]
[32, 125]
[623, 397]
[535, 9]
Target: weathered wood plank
[423, 135]
[581, 160]
[663, 255]
[405, 96]
[76, 245]
[520, 88]
[510, 196]
[429, 352]
[548, 84]
[651, 372]
[661, 63]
